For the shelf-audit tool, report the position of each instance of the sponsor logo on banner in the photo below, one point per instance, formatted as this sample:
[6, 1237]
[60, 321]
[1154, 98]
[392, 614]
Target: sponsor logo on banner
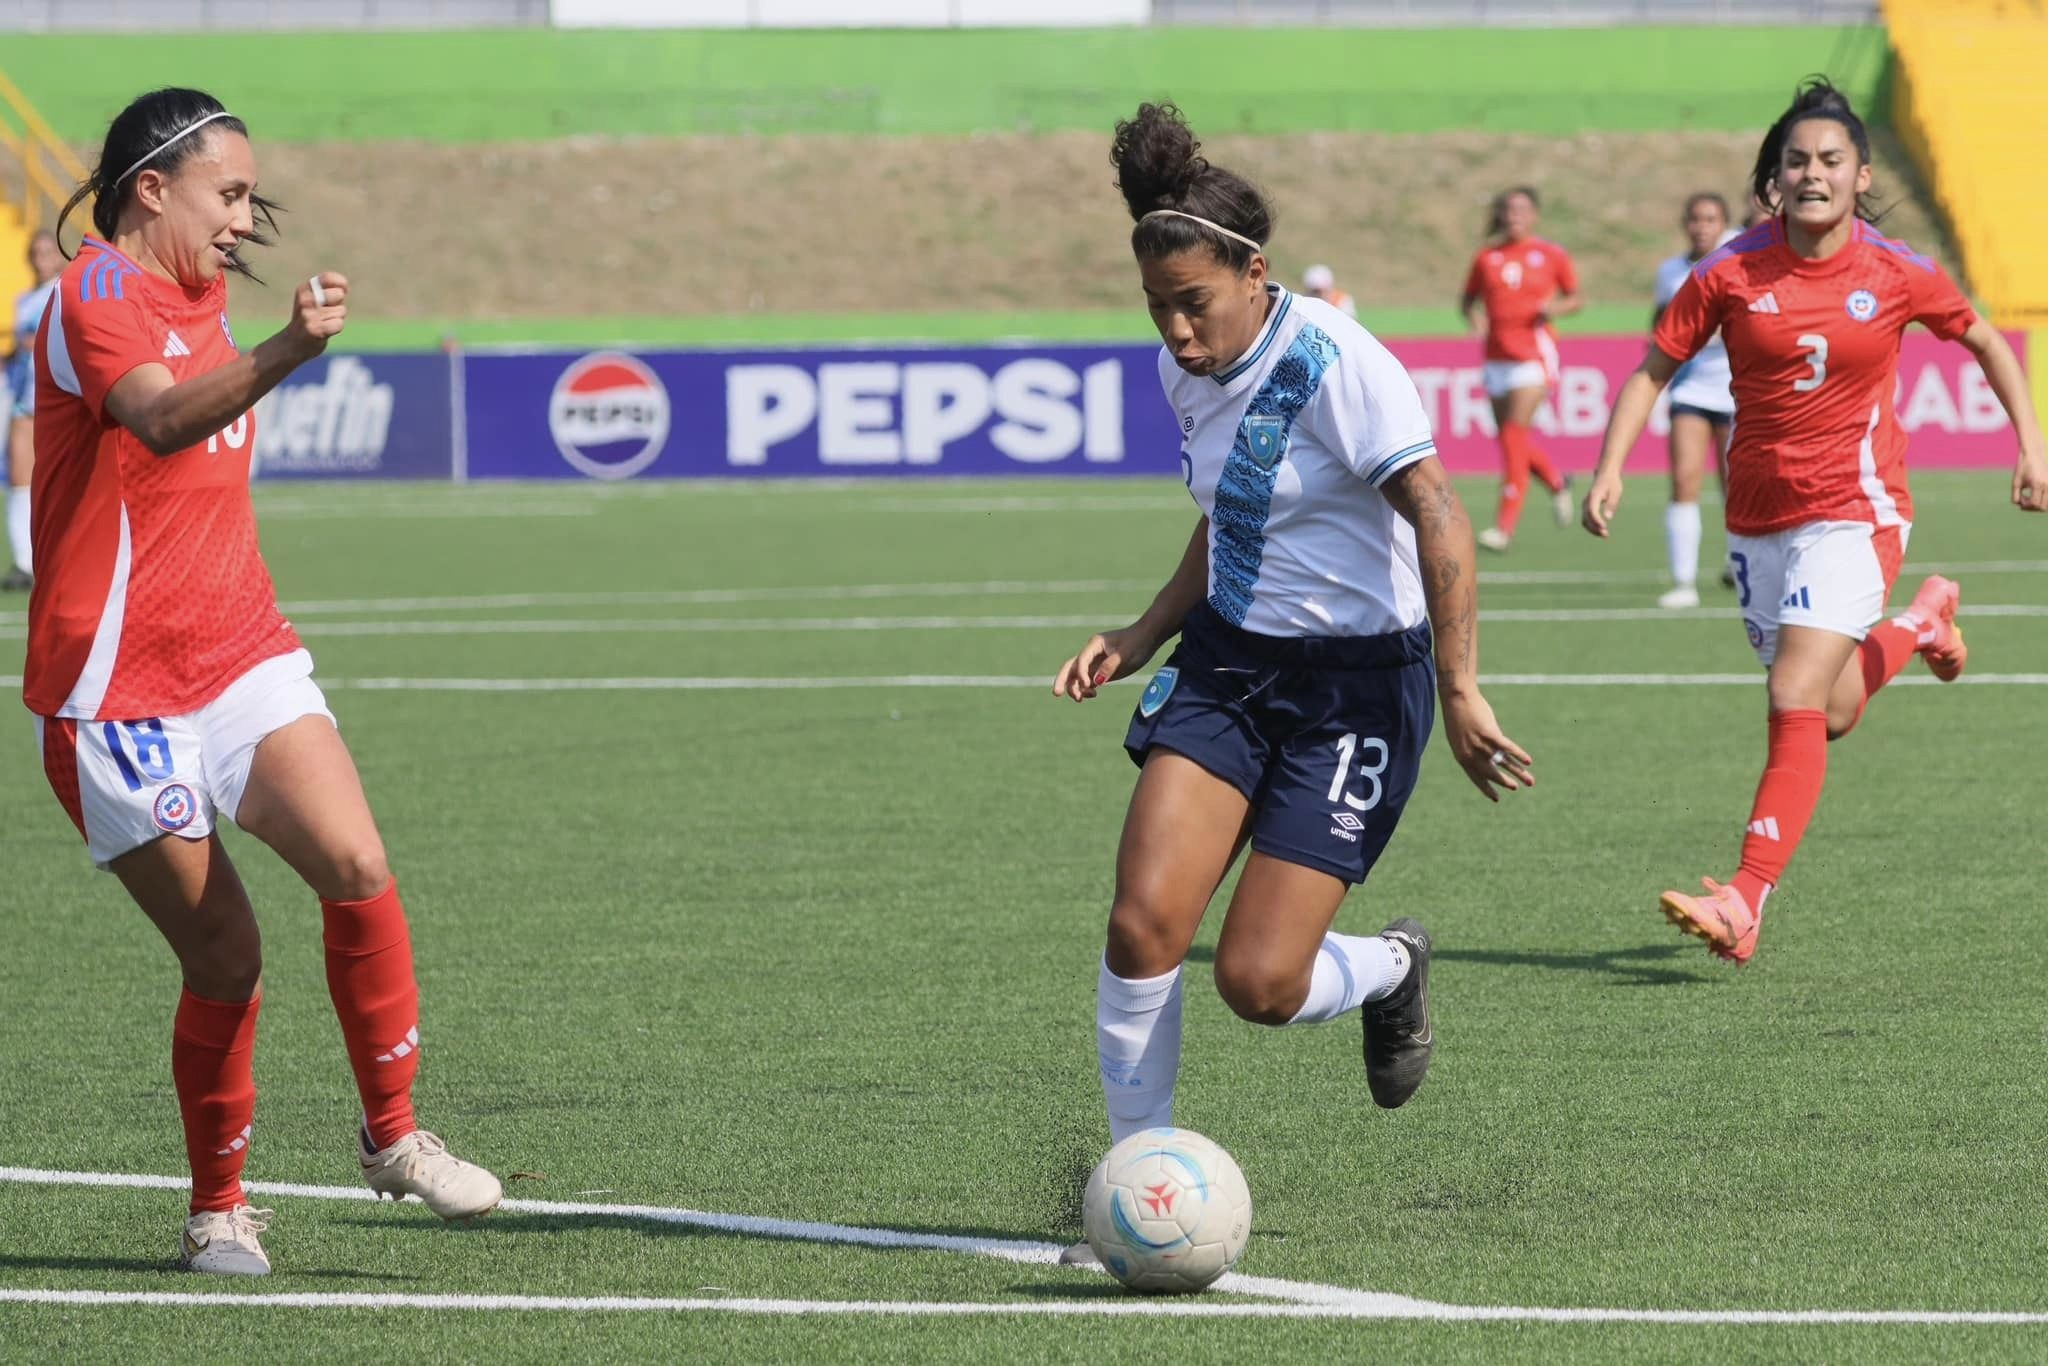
[1033, 410]
[337, 424]
[609, 415]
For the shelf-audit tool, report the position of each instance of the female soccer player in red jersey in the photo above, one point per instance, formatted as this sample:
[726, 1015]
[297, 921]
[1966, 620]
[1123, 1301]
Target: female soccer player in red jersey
[1522, 282]
[1812, 303]
[167, 688]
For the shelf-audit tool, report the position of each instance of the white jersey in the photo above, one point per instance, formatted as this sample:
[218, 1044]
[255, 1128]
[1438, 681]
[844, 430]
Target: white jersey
[1703, 381]
[1285, 451]
[28, 316]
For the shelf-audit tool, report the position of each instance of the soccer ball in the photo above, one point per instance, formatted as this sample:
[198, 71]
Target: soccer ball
[1167, 1211]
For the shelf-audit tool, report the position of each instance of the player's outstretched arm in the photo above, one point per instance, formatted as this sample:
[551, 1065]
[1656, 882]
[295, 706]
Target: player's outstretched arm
[1632, 407]
[2002, 371]
[1423, 495]
[169, 417]
[1119, 654]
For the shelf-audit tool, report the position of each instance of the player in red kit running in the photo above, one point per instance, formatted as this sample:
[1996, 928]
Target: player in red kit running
[1522, 282]
[1812, 303]
[168, 690]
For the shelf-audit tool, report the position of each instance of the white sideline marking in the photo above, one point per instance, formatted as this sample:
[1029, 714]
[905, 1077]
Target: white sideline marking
[1379, 1307]
[1300, 1299]
[697, 596]
[1044, 682]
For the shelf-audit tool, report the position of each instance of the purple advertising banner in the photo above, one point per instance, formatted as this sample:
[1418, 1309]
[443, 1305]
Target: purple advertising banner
[1040, 410]
[359, 417]
[768, 414]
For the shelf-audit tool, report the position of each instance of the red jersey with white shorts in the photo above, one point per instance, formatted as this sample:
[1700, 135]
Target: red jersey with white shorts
[1814, 349]
[151, 596]
[1516, 281]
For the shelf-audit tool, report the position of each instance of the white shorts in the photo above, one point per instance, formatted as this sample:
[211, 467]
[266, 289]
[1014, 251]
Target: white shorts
[1832, 576]
[126, 783]
[1503, 377]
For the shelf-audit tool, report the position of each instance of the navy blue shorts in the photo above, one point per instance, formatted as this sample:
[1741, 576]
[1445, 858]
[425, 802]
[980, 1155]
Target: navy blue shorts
[1323, 735]
[1719, 419]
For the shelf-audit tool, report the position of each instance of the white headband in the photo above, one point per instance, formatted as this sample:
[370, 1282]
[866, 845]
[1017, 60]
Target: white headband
[1213, 227]
[178, 136]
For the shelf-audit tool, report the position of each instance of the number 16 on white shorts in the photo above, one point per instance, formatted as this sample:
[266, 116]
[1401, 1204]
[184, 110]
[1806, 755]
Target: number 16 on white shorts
[126, 783]
[1832, 576]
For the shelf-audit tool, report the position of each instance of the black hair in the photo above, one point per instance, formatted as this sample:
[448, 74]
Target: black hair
[1159, 166]
[1816, 98]
[142, 133]
[1497, 211]
[1699, 197]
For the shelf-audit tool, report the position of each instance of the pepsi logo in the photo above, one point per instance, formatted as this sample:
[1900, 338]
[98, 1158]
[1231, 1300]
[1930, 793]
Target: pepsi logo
[175, 807]
[609, 415]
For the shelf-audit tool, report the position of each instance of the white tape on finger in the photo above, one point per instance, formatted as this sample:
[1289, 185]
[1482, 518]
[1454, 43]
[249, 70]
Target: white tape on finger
[319, 294]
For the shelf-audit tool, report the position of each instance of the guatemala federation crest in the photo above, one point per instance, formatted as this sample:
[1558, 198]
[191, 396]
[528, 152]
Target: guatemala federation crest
[1157, 691]
[1266, 440]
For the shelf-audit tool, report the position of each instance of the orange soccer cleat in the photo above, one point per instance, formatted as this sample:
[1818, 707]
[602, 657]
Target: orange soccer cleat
[1933, 615]
[1721, 917]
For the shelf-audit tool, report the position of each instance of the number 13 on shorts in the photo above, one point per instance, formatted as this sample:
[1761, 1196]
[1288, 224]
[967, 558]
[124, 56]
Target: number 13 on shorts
[1371, 755]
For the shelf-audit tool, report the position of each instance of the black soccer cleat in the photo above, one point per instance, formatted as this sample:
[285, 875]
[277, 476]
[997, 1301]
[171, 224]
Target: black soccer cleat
[1398, 1037]
[16, 581]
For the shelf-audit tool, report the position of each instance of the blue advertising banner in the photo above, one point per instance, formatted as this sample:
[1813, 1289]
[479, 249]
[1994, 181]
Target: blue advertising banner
[776, 414]
[359, 417]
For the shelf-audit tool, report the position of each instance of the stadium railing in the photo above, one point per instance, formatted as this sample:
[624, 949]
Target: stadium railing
[37, 172]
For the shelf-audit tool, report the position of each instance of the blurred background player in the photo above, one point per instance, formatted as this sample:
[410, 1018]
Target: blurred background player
[166, 686]
[1294, 713]
[1702, 409]
[1320, 282]
[1812, 304]
[1518, 284]
[44, 262]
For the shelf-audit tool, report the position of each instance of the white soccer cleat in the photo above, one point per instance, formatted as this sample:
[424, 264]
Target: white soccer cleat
[420, 1164]
[1685, 595]
[224, 1242]
[1564, 506]
[1494, 539]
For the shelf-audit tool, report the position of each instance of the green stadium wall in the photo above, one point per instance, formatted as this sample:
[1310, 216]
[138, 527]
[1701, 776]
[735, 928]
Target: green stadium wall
[522, 84]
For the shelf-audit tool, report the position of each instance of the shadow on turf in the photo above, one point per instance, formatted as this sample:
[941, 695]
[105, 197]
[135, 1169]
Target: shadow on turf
[1631, 967]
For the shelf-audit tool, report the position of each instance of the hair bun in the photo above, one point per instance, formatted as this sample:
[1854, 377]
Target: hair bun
[1157, 158]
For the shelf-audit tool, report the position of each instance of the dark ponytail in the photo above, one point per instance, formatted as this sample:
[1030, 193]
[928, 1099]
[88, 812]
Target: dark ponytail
[1816, 98]
[1159, 166]
[145, 129]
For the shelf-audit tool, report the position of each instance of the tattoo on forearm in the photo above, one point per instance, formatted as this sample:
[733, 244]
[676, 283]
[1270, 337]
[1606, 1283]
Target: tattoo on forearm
[1423, 496]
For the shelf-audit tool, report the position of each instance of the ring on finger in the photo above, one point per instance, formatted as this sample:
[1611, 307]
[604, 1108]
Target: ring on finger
[1500, 758]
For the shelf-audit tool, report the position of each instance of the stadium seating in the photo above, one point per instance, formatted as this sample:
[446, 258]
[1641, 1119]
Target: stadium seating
[1968, 100]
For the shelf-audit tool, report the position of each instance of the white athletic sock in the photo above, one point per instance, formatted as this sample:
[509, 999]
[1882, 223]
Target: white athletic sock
[1137, 1040]
[1682, 540]
[17, 528]
[1351, 970]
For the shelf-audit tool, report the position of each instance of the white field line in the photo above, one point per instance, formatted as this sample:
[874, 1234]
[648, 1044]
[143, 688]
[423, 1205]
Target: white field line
[1298, 1299]
[1042, 682]
[637, 626]
[411, 511]
[1382, 1307]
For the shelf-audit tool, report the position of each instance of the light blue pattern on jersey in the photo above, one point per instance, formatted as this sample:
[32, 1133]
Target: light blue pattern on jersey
[1244, 491]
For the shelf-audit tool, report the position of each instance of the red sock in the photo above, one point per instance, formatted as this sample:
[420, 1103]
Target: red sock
[1539, 463]
[1887, 649]
[213, 1044]
[1785, 799]
[369, 975]
[1514, 483]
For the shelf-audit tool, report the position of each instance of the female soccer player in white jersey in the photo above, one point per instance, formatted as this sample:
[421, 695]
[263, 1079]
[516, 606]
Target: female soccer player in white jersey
[17, 410]
[1702, 409]
[167, 689]
[1294, 712]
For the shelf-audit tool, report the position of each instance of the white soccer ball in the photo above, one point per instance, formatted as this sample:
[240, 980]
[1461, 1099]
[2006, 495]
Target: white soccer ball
[1167, 1211]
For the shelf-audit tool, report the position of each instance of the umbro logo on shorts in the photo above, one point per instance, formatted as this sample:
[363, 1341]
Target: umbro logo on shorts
[1345, 826]
[1767, 304]
[175, 346]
